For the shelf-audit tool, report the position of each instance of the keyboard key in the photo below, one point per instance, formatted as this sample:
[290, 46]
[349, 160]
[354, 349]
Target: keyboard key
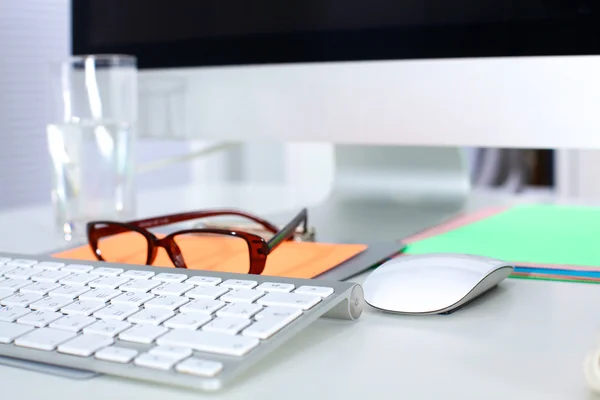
[41, 288]
[108, 282]
[239, 310]
[85, 345]
[199, 367]
[23, 273]
[9, 331]
[20, 299]
[50, 276]
[21, 262]
[78, 268]
[106, 328]
[4, 260]
[132, 298]
[230, 326]
[102, 295]
[50, 265]
[151, 316]
[51, 303]
[206, 292]
[144, 334]
[106, 271]
[267, 326]
[14, 284]
[167, 302]
[116, 354]
[136, 274]
[44, 339]
[203, 306]
[172, 289]
[187, 321]
[116, 312]
[4, 293]
[77, 279]
[6, 268]
[69, 291]
[170, 351]
[242, 296]
[166, 277]
[204, 281]
[279, 312]
[82, 308]
[11, 314]
[139, 285]
[210, 342]
[303, 301]
[321, 291]
[239, 284]
[72, 323]
[275, 287]
[39, 319]
[155, 361]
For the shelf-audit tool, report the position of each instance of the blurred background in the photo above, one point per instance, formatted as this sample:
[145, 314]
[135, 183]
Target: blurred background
[34, 32]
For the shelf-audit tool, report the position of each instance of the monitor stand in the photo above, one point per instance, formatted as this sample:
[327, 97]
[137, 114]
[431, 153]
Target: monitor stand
[383, 193]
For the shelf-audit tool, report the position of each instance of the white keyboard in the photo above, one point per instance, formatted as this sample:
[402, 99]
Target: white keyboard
[195, 329]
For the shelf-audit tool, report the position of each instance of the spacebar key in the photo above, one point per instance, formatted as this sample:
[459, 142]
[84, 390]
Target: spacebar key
[210, 342]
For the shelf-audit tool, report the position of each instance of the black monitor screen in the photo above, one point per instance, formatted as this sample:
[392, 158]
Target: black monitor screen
[179, 33]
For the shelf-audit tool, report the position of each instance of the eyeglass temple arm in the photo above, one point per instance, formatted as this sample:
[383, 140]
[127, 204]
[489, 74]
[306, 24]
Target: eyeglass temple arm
[187, 216]
[289, 230]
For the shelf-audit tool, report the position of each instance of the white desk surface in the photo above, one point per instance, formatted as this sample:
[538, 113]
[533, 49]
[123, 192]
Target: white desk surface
[525, 340]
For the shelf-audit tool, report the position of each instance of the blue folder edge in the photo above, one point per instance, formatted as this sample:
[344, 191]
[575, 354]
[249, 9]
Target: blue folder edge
[561, 272]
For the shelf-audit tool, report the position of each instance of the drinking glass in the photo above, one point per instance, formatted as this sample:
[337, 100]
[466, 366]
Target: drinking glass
[91, 140]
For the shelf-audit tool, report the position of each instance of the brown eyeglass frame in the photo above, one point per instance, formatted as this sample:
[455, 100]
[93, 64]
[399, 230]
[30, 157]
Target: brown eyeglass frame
[258, 247]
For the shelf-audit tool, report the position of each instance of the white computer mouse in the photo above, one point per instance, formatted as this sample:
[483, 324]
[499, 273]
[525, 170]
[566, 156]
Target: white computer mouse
[432, 283]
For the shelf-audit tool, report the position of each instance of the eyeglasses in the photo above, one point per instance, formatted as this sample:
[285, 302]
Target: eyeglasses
[144, 244]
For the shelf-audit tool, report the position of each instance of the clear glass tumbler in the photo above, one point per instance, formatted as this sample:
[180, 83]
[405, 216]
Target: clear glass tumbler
[91, 139]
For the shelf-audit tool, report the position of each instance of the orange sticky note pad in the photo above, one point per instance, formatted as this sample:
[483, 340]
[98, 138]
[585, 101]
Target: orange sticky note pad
[223, 254]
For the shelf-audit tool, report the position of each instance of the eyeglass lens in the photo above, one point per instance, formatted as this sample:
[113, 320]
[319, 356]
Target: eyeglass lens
[124, 247]
[205, 251]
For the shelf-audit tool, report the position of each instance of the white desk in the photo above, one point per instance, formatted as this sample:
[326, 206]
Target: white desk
[526, 340]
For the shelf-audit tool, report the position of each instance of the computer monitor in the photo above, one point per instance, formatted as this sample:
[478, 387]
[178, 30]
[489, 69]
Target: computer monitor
[433, 73]
[498, 73]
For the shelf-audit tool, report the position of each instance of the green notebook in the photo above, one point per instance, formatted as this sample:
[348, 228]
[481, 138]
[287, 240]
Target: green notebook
[545, 234]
